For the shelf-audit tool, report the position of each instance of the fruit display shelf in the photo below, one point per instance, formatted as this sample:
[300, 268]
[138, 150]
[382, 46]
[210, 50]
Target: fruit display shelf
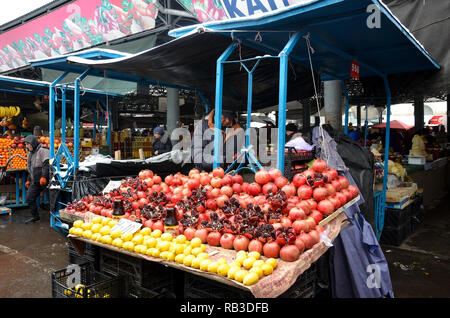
[278, 282]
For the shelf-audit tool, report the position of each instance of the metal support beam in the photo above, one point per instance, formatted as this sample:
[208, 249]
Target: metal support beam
[218, 105]
[51, 113]
[76, 122]
[282, 97]
[418, 112]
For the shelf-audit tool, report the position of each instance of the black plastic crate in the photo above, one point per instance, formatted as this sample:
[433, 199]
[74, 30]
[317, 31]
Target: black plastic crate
[395, 218]
[91, 254]
[199, 287]
[137, 291]
[395, 235]
[82, 281]
[145, 273]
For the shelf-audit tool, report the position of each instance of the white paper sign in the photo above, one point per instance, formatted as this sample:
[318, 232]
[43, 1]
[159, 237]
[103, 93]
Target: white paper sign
[126, 226]
[112, 185]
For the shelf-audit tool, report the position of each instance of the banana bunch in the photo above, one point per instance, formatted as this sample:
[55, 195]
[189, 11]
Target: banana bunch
[9, 111]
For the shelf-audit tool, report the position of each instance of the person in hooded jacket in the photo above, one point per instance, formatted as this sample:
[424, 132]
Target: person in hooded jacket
[161, 142]
[38, 174]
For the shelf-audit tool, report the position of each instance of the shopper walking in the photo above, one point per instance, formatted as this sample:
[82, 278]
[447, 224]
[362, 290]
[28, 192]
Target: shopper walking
[38, 174]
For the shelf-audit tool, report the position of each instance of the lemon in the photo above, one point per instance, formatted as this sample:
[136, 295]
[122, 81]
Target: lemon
[138, 239]
[258, 263]
[240, 259]
[106, 239]
[141, 249]
[97, 220]
[117, 242]
[188, 260]
[188, 250]
[232, 271]
[196, 242]
[112, 223]
[78, 231]
[163, 246]
[156, 233]
[203, 255]
[105, 230]
[254, 254]
[150, 242]
[267, 269]
[196, 262]
[181, 239]
[96, 227]
[272, 261]
[131, 246]
[178, 248]
[164, 254]
[149, 251]
[222, 260]
[86, 226]
[203, 247]
[235, 264]
[156, 252]
[196, 251]
[240, 274]
[78, 223]
[167, 237]
[171, 256]
[96, 236]
[105, 221]
[179, 258]
[116, 234]
[71, 230]
[241, 252]
[87, 234]
[223, 269]
[145, 231]
[204, 264]
[127, 236]
[258, 270]
[125, 245]
[248, 262]
[250, 279]
[212, 267]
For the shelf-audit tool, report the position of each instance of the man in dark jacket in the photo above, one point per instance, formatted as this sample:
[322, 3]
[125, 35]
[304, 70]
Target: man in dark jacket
[38, 174]
[161, 142]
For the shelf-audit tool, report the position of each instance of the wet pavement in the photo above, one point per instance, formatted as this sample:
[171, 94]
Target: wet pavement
[419, 268]
[28, 255]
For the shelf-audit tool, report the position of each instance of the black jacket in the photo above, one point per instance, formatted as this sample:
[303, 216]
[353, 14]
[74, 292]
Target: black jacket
[162, 144]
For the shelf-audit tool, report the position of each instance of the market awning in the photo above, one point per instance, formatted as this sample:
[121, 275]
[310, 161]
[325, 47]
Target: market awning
[395, 124]
[340, 31]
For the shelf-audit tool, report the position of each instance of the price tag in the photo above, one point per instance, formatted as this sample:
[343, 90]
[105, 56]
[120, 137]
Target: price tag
[354, 73]
[126, 226]
[112, 185]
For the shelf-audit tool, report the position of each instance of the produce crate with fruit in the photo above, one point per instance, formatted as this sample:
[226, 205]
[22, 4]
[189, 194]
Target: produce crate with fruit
[87, 283]
[252, 226]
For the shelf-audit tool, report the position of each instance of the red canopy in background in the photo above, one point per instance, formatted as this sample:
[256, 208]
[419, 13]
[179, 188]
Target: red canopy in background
[395, 124]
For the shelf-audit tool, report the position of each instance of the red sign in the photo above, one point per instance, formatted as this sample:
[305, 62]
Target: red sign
[354, 73]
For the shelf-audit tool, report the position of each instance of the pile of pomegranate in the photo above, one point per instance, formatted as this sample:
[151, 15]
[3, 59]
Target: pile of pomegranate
[270, 215]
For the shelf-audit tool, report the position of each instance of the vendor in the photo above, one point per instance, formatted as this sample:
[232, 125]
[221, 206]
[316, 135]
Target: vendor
[161, 142]
[204, 136]
[441, 137]
[292, 132]
[38, 174]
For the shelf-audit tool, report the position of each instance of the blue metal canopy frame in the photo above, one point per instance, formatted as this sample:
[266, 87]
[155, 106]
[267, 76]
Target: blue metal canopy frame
[337, 31]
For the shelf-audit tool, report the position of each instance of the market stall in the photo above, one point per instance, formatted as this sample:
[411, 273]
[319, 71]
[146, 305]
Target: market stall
[274, 35]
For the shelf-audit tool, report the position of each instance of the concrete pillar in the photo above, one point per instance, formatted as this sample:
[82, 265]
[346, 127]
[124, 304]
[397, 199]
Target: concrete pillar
[418, 113]
[333, 103]
[173, 109]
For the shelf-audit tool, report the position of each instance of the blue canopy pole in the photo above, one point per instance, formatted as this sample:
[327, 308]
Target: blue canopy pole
[204, 101]
[95, 124]
[386, 154]
[282, 98]
[344, 89]
[218, 107]
[76, 122]
[63, 114]
[51, 113]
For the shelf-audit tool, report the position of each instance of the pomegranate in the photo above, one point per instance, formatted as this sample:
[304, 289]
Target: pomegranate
[331, 189]
[202, 234]
[245, 187]
[213, 238]
[353, 190]
[226, 181]
[312, 203]
[299, 180]
[297, 214]
[254, 188]
[289, 253]
[189, 233]
[221, 200]
[336, 185]
[156, 179]
[281, 181]
[211, 204]
[300, 226]
[216, 192]
[262, 177]
[285, 222]
[311, 223]
[289, 189]
[237, 188]
[269, 186]
[348, 194]
[343, 181]
[226, 240]
[237, 178]
[274, 174]
[335, 201]
[255, 245]
[227, 190]
[148, 223]
[158, 225]
[317, 216]
[241, 243]
[193, 183]
[304, 205]
[300, 245]
[304, 192]
[319, 165]
[315, 236]
[307, 240]
[332, 173]
[320, 193]
[216, 182]
[218, 172]
[341, 197]
[271, 249]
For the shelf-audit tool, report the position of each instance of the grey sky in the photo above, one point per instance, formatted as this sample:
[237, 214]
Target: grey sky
[10, 10]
